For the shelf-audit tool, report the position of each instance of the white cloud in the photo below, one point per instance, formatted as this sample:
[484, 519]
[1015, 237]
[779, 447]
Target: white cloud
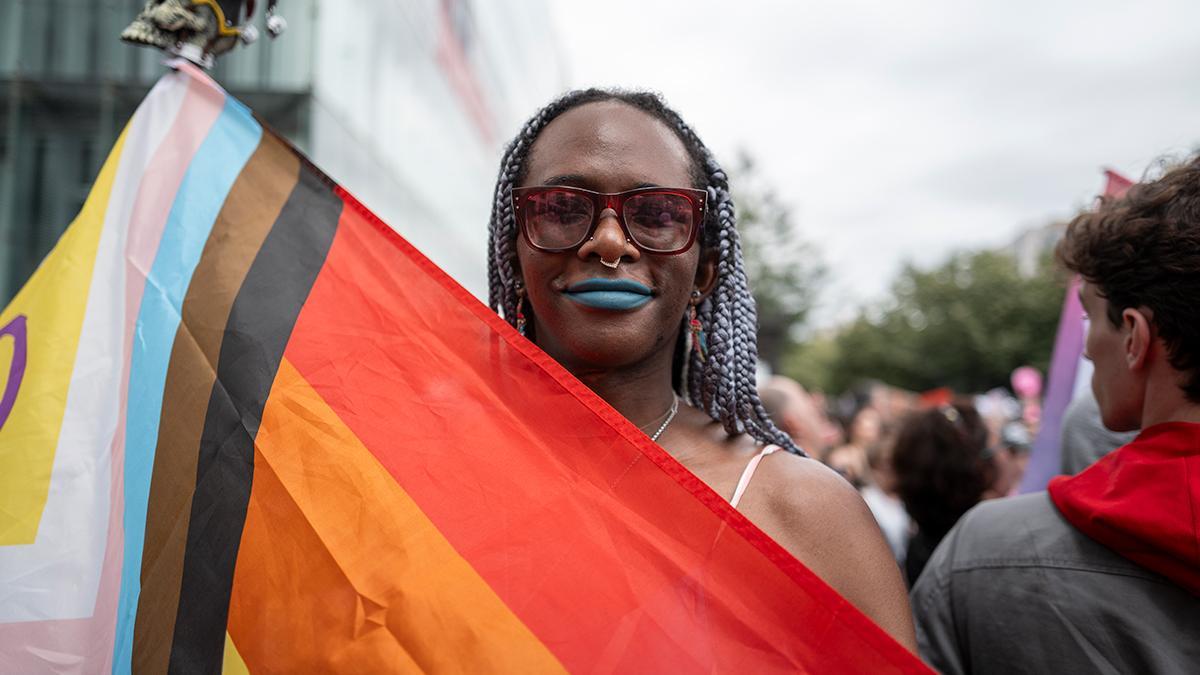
[900, 131]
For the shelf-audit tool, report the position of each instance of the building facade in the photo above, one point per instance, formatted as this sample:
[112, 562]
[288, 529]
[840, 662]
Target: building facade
[406, 103]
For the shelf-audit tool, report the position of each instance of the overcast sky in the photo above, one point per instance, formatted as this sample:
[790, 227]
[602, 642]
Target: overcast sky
[900, 131]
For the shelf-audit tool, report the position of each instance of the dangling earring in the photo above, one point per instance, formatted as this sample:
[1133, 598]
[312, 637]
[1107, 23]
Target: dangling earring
[699, 343]
[520, 309]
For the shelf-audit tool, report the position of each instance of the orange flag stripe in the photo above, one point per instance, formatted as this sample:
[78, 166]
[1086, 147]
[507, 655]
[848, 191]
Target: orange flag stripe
[332, 541]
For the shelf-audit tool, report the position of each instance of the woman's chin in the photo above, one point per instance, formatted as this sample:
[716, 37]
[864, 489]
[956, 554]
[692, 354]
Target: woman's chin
[594, 355]
[585, 339]
[591, 358]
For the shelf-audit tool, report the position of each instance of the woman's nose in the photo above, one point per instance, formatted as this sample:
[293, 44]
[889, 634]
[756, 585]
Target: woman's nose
[608, 241]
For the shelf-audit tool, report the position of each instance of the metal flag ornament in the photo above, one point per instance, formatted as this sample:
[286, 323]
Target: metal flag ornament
[199, 30]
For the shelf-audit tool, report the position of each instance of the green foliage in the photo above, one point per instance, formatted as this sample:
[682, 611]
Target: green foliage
[785, 270]
[965, 324]
[813, 362]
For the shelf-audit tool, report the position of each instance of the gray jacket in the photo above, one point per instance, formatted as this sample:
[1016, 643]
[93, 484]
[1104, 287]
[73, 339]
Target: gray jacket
[1014, 588]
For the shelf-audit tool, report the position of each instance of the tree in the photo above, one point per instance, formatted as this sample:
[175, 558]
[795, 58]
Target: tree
[785, 270]
[966, 324]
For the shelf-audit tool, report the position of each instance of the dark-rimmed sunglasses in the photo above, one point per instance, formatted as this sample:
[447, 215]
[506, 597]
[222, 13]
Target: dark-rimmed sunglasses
[663, 221]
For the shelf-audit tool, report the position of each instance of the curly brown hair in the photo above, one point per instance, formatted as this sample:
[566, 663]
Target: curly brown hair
[943, 465]
[1143, 250]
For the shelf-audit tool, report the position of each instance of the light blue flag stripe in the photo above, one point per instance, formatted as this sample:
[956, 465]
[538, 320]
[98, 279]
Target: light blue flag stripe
[213, 170]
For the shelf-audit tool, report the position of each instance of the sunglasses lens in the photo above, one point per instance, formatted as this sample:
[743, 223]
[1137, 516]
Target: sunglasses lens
[557, 218]
[660, 221]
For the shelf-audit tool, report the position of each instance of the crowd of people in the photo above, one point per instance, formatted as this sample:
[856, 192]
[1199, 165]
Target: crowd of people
[919, 465]
[613, 247]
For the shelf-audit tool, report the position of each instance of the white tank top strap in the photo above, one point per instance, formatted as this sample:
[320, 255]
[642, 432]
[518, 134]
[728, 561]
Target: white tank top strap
[748, 473]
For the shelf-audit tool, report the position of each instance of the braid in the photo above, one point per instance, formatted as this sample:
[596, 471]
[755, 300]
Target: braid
[723, 383]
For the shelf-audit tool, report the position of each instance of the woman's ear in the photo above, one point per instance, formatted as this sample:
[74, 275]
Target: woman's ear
[706, 272]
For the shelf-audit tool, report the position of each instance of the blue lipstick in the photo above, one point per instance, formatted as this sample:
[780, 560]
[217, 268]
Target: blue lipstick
[615, 294]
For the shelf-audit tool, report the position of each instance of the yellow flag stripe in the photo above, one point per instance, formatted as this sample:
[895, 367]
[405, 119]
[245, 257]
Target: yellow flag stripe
[53, 301]
[233, 663]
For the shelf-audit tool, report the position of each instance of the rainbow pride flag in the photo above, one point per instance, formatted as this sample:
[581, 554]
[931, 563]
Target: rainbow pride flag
[247, 427]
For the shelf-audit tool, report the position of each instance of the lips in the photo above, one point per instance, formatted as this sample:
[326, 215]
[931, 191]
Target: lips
[612, 294]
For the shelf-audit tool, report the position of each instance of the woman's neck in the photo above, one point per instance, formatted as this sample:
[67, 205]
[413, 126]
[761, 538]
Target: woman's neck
[641, 393]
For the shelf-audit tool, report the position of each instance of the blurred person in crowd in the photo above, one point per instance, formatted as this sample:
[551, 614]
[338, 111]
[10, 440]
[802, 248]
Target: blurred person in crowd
[832, 434]
[881, 495]
[1100, 573]
[1084, 438]
[850, 459]
[1011, 456]
[943, 464]
[891, 403]
[613, 246]
[867, 469]
[798, 414]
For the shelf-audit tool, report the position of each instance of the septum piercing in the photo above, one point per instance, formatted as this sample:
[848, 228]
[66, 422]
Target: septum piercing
[614, 264]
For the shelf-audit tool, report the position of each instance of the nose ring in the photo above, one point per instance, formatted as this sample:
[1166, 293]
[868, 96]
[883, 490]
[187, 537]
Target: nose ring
[615, 263]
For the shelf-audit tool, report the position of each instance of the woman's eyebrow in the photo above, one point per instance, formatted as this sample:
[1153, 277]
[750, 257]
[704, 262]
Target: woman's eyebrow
[572, 179]
[579, 180]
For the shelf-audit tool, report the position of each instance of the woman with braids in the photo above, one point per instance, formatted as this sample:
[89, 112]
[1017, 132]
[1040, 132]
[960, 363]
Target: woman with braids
[613, 246]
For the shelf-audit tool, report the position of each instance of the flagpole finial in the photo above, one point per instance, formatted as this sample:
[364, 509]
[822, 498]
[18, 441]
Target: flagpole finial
[199, 30]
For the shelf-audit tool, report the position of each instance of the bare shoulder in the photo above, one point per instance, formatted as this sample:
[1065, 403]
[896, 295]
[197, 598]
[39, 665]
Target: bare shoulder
[813, 496]
[792, 469]
[821, 519]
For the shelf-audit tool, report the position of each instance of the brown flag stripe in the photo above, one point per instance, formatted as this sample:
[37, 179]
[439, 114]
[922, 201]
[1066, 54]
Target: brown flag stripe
[253, 205]
[258, 329]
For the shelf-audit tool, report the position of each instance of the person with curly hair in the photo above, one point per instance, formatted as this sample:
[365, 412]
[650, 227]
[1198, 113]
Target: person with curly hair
[943, 465]
[1100, 573]
[613, 246]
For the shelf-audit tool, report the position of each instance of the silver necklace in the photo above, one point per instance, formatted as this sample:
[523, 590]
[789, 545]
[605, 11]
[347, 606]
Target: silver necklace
[670, 416]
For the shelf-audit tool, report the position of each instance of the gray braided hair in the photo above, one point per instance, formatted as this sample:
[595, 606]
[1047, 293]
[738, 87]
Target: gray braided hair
[723, 383]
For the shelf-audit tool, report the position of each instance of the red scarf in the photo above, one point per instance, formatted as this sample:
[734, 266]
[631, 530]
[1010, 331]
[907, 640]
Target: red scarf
[1143, 501]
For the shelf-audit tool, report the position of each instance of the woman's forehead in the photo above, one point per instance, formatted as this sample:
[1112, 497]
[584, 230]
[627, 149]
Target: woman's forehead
[611, 146]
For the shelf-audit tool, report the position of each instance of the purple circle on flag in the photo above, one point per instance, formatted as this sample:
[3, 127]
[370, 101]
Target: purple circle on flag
[16, 370]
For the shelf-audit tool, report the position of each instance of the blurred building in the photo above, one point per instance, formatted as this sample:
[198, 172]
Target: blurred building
[404, 102]
[1034, 246]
